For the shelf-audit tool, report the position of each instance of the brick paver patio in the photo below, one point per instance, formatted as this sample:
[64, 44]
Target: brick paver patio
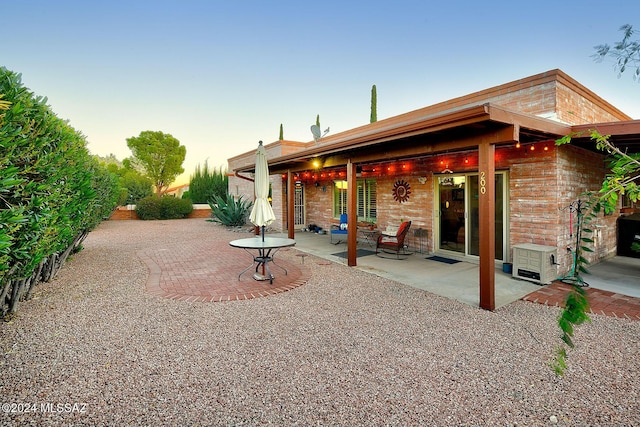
[208, 271]
[602, 302]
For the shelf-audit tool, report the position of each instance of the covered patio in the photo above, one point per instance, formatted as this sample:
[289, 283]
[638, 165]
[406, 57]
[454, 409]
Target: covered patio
[490, 158]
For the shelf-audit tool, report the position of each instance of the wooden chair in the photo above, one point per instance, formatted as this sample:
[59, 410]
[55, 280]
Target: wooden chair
[339, 230]
[393, 244]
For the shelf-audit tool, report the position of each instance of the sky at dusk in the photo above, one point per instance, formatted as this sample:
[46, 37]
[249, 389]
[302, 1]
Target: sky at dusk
[222, 75]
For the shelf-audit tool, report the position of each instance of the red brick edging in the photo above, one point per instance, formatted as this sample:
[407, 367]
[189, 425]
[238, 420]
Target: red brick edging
[602, 302]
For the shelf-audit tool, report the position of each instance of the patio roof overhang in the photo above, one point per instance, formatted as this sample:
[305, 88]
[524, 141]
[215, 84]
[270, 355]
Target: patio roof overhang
[415, 135]
[625, 135]
[460, 130]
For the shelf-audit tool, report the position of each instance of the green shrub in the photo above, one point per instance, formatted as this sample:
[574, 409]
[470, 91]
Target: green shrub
[167, 207]
[149, 208]
[230, 211]
[52, 191]
[174, 208]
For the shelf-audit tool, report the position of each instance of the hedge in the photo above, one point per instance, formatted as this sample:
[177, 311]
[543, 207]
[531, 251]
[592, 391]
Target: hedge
[52, 191]
[166, 207]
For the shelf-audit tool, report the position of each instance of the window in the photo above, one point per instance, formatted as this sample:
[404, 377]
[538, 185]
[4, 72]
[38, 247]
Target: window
[365, 199]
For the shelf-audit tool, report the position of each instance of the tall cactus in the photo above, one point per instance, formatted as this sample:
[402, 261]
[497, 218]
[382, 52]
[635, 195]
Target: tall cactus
[374, 105]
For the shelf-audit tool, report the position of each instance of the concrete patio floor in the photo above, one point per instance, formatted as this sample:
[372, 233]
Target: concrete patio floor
[460, 281]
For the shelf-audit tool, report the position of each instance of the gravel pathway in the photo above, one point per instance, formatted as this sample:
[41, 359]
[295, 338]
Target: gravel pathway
[347, 348]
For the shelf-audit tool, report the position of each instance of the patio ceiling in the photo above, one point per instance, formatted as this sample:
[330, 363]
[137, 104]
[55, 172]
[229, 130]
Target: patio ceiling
[413, 135]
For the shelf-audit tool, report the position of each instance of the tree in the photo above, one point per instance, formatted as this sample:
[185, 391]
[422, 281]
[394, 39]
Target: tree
[207, 183]
[374, 105]
[626, 52]
[134, 185]
[281, 137]
[625, 172]
[137, 186]
[160, 155]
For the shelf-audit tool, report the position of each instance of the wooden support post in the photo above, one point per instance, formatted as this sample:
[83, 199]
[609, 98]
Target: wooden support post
[290, 205]
[487, 228]
[352, 215]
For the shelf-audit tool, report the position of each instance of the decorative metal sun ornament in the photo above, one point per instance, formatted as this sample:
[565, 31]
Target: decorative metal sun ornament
[401, 191]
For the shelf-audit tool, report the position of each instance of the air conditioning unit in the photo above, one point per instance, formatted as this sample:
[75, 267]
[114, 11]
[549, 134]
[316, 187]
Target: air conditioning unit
[536, 263]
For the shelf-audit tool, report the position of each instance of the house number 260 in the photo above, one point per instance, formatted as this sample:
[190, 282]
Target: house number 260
[483, 183]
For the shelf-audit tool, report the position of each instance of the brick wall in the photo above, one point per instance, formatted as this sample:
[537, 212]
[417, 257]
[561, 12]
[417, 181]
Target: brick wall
[278, 202]
[575, 109]
[580, 171]
[129, 213]
[542, 185]
[533, 195]
[319, 203]
[124, 213]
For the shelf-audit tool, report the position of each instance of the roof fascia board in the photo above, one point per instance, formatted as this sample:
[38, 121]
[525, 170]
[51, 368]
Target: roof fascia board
[630, 127]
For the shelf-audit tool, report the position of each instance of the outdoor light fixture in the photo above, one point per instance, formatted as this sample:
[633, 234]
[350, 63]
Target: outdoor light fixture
[532, 148]
[518, 144]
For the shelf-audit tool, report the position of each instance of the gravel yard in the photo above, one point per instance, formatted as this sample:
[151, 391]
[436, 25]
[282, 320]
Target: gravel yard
[347, 348]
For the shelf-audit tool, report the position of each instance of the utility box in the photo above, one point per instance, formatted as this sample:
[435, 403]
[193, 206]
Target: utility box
[536, 263]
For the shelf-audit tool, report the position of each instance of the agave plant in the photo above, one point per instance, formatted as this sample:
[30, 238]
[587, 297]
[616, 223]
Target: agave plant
[230, 211]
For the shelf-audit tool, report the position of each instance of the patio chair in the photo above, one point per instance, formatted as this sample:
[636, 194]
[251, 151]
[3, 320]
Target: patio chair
[393, 244]
[339, 230]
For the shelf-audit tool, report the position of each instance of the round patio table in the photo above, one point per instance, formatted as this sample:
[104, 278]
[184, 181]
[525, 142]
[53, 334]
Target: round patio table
[262, 251]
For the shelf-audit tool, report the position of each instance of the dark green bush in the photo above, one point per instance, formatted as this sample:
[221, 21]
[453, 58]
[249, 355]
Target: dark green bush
[52, 191]
[174, 208]
[149, 208]
[207, 183]
[167, 207]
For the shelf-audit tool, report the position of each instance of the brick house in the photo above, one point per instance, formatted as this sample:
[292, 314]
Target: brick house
[478, 174]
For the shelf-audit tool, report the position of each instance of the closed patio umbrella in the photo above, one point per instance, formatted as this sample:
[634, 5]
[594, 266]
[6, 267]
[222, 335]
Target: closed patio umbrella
[261, 213]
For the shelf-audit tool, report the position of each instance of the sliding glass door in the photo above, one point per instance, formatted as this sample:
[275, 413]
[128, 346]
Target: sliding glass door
[458, 214]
